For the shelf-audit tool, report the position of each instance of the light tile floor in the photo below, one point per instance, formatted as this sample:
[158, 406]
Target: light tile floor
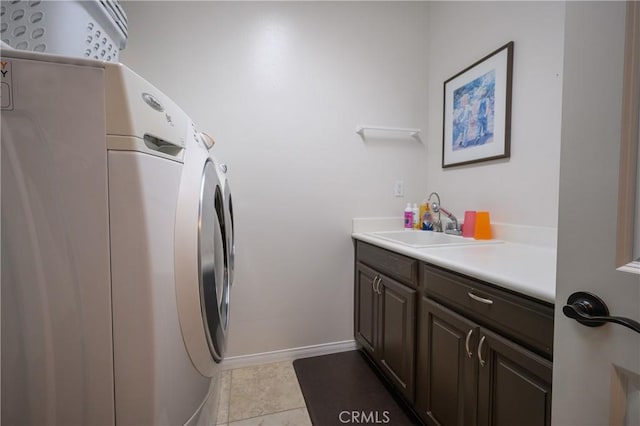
[265, 395]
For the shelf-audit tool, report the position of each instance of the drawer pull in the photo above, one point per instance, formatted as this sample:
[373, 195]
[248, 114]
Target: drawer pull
[482, 362]
[466, 343]
[480, 299]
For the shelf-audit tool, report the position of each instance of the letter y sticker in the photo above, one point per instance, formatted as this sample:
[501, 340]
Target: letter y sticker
[6, 87]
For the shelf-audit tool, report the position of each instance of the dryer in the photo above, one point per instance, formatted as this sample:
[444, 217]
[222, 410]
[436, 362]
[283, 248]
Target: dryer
[229, 221]
[203, 256]
[115, 258]
[222, 169]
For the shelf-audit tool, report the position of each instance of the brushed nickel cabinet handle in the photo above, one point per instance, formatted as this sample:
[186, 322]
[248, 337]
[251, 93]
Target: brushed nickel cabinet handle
[376, 284]
[466, 343]
[480, 299]
[482, 362]
[379, 291]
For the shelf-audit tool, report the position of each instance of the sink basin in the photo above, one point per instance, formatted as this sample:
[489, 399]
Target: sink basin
[428, 238]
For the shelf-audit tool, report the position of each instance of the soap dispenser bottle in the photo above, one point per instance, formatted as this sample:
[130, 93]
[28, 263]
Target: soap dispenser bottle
[426, 224]
[423, 208]
[408, 218]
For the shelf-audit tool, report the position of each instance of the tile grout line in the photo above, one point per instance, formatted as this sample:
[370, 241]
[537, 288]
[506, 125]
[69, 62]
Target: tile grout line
[268, 414]
[229, 396]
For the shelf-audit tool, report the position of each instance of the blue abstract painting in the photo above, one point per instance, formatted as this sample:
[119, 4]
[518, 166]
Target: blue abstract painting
[473, 112]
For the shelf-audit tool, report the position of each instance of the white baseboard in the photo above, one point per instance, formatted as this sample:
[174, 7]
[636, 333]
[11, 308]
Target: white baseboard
[288, 354]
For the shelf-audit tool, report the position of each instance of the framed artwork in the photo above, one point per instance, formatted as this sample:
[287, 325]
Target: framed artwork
[477, 111]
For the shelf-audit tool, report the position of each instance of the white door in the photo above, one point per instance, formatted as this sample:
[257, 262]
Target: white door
[596, 369]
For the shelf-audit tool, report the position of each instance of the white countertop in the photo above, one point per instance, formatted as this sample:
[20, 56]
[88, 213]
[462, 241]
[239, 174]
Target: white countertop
[525, 268]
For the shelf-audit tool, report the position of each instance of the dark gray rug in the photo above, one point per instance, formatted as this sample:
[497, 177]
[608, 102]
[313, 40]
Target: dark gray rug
[344, 389]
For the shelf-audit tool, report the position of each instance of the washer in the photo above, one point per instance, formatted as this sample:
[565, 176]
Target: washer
[115, 257]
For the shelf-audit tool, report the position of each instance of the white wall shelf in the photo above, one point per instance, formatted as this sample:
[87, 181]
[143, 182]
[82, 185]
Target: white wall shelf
[414, 133]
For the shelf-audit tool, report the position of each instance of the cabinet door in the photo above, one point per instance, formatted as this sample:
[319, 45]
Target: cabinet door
[447, 366]
[514, 384]
[397, 315]
[366, 308]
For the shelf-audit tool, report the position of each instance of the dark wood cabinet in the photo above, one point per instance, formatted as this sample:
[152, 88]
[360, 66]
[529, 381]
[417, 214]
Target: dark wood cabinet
[514, 384]
[385, 321]
[520, 319]
[396, 337]
[468, 372]
[446, 388]
[462, 352]
[366, 309]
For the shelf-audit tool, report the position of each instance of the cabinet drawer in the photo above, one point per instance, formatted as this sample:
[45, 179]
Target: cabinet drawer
[526, 321]
[395, 265]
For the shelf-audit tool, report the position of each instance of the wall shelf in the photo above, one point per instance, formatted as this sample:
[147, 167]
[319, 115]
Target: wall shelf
[414, 133]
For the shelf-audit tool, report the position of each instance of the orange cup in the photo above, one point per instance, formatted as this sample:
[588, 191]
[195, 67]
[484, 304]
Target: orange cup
[483, 226]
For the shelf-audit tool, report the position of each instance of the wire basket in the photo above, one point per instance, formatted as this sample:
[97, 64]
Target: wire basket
[92, 29]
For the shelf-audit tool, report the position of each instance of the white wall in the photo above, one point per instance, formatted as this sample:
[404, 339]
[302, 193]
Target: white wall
[281, 87]
[523, 189]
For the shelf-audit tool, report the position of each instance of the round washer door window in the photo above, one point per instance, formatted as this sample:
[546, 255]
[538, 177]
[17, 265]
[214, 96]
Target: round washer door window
[213, 263]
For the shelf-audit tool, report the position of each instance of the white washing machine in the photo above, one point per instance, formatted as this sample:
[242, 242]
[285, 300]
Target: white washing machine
[115, 251]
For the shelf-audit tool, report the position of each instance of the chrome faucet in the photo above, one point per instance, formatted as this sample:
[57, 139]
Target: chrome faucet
[435, 207]
[452, 227]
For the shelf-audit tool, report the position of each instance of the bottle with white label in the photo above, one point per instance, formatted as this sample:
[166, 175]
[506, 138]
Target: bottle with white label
[408, 218]
[416, 216]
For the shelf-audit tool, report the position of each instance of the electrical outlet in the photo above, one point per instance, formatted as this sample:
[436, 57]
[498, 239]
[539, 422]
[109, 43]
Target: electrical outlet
[398, 189]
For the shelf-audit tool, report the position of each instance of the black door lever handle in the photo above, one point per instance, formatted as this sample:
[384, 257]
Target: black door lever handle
[588, 309]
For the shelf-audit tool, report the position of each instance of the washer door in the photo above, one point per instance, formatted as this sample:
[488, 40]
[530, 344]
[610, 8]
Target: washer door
[201, 262]
[213, 262]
